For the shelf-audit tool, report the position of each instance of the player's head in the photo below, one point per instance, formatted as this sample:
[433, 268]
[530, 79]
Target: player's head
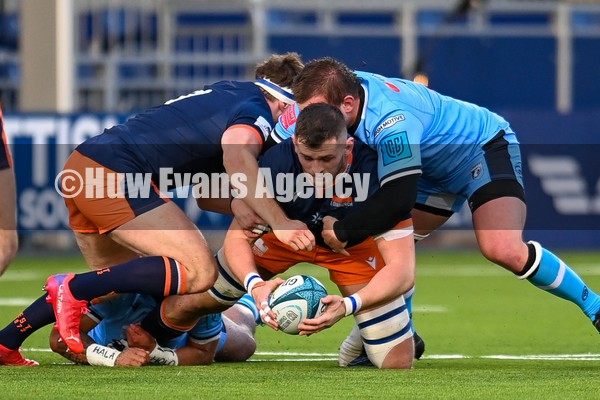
[330, 81]
[275, 76]
[328, 78]
[321, 140]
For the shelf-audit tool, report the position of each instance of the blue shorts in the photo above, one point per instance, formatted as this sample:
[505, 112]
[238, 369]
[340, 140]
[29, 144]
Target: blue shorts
[497, 160]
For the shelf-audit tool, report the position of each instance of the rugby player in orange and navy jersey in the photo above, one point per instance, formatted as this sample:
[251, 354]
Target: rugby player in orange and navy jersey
[373, 276]
[145, 243]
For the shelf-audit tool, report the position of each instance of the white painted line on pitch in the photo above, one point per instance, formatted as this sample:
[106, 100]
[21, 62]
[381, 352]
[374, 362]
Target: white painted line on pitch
[15, 301]
[429, 308]
[293, 359]
[490, 270]
[300, 356]
[287, 353]
[21, 276]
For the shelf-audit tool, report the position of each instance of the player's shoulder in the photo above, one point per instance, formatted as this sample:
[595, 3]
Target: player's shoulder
[281, 156]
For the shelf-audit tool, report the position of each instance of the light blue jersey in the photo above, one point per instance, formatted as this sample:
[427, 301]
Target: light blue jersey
[117, 313]
[416, 130]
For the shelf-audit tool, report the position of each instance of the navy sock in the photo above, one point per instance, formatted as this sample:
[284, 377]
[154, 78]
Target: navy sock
[157, 276]
[34, 317]
[154, 324]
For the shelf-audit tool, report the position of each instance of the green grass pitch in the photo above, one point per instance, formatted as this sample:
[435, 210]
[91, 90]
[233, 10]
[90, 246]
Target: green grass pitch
[488, 335]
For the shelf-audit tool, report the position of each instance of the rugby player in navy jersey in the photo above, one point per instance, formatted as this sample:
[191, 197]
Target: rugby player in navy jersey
[435, 153]
[9, 240]
[373, 277]
[145, 243]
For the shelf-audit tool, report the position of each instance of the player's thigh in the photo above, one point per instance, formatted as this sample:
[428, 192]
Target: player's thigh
[100, 251]
[425, 222]
[167, 231]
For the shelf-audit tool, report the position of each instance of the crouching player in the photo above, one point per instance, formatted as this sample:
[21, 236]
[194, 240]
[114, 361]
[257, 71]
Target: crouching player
[112, 335]
[373, 276]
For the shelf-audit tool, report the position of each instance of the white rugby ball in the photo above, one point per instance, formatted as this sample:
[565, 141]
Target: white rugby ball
[296, 299]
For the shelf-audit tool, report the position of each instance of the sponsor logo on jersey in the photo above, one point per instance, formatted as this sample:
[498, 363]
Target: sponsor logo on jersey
[476, 171]
[259, 248]
[389, 123]
[264, 126]
[395, 148]
[289, 117]
[372, 261]
[342, 201]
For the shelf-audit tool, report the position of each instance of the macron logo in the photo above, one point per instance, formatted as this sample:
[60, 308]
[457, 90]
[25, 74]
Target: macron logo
[561, 179]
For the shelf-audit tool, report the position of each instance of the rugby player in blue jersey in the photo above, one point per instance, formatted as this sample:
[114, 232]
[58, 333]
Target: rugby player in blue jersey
[9, 240]
[436, 152]
[372, 278]
[113, 337]
[145, 243]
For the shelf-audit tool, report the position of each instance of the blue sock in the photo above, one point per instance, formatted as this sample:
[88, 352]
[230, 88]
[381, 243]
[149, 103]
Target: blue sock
[34, 317]
[556, 277]
[248, 301]
[408, 296]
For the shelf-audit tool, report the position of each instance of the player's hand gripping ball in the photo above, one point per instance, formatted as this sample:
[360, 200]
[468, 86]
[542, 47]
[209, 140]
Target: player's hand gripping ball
[296, 299]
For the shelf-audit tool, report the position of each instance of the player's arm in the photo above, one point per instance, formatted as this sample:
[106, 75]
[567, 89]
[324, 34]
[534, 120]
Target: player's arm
[191, 353]
[379, 213]
[241, 148]
[95, 353]
[59, 347]
[237, 248]
[397, 277]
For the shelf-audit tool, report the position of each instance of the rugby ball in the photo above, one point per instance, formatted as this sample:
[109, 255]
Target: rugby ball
[296, 299]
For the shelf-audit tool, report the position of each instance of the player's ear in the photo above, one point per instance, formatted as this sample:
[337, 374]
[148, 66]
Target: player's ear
[348, 104]
[349, 145]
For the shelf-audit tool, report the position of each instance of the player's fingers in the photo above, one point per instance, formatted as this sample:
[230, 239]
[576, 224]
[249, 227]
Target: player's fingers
[304, 242]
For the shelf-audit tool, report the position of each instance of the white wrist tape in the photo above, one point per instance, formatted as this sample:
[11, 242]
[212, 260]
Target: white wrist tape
[250, 280]
[353, 304]
[101, 355]
[163, 356]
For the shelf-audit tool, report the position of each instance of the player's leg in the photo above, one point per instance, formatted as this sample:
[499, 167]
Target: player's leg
[176, 260]
[9, 240]
[387, 336]
[179, 314]
[498, 225]
[99, 251]
[238, 336]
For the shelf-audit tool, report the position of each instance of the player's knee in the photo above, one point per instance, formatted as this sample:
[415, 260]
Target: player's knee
[508, 255]
[400, 357]
[244, 350]
[9, 245]
[385, 331]
[200, 278]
